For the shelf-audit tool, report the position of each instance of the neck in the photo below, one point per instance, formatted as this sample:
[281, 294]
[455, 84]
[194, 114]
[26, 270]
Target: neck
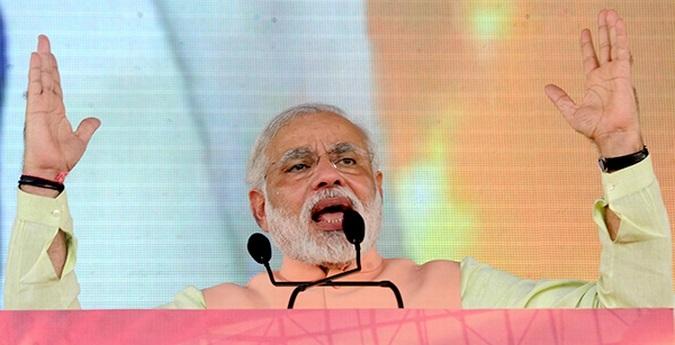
[335, 266]
[294, 270]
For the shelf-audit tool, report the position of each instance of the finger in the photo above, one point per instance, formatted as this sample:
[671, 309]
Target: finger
[56, 76]
[43, 44]
[603, 38]
[590, 60]
[48, 65]
[54, 67]
[612, 17]
[86, 128]
[621, 47]
[45, 72]
[34, 75]
[561, 100]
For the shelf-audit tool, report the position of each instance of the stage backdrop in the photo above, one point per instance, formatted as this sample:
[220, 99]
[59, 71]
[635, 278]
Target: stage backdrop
[476, 160]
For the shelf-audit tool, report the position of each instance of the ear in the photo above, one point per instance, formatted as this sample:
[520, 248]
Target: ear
[379, 176]
[257, 201]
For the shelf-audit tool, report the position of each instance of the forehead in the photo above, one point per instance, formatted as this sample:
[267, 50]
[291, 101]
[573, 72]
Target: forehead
[317, 131]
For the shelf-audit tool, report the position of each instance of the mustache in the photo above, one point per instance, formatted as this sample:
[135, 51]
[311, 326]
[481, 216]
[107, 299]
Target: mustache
[334, 192]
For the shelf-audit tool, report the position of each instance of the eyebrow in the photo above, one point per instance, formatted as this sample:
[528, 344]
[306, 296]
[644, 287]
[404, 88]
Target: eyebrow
[305, 151]
[296, 153]
[343, 147]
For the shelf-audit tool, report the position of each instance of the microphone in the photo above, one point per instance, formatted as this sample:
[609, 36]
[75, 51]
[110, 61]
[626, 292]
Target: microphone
[353, 227]
[259, 248]
[261, 251]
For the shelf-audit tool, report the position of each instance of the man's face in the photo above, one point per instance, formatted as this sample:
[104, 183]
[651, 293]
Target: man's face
[318, 166]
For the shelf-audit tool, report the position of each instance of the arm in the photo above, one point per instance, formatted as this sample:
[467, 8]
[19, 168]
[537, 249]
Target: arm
[608, 112]
[635, 267]
[57, 250]
[51, 145]
[31, 278]
[636, 261]
[51, 149]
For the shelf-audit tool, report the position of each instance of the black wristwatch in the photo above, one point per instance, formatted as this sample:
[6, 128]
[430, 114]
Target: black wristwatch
[613, 164]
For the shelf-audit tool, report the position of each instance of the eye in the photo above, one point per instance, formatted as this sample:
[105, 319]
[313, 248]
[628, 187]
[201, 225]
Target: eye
[346, 161]
[297, 168]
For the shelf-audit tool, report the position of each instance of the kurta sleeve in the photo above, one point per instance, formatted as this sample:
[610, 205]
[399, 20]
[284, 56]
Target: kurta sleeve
[635, 268]
[30, 279]
[189, 298]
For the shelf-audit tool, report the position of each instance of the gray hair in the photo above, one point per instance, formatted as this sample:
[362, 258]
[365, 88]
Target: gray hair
[258, 160]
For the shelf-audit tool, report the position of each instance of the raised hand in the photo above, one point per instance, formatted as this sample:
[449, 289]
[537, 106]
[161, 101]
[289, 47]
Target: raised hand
[607, 113]
[51, 146]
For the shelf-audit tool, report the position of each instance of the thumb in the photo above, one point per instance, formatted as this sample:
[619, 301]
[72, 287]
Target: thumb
[87, 128]
[561, 100]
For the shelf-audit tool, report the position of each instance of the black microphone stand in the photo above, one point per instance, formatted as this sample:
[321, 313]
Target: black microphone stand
[353, 227]
[328, 281]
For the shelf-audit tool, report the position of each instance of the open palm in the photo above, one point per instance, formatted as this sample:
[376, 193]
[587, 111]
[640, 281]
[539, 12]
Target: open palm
[51, 145]
[607, 113]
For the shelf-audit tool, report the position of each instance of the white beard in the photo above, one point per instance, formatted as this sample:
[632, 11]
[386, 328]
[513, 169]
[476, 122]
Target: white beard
[299, 241]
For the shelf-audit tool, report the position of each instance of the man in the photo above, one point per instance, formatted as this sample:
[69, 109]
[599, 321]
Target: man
[311, 164]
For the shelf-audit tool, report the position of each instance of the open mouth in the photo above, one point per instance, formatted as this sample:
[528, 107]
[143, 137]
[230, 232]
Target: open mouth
[327, 214]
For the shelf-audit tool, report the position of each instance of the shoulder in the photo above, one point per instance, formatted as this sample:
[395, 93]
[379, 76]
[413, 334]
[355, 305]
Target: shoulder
[228, 296]
[435, 268]
[475, 271]
[188, 298]
[442, 270]
[234, 296]
[434, 284]
[440, 265]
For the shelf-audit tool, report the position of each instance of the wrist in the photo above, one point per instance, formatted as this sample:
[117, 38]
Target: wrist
[46, 192]
[610, 165]
[47, 174]
[619, 145]
[42, 183]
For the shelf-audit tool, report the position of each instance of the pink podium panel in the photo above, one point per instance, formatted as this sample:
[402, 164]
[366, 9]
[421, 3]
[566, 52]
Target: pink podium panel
[339, 326]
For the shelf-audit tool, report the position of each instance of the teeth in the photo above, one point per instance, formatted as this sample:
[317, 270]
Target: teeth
[332, 221]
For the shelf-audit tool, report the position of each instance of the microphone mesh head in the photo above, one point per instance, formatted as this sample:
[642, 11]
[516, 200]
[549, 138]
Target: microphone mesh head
[353, 226]
[259, 248]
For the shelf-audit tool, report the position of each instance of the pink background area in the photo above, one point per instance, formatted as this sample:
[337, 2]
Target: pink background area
[347, 326]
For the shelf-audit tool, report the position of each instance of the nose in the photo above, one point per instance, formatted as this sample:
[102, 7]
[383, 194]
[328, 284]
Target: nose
[326, 175]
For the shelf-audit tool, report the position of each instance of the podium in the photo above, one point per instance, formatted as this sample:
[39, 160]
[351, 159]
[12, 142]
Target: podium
[340, 326]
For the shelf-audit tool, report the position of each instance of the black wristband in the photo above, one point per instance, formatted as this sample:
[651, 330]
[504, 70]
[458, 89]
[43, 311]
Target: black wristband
[40, 182]
[613, 164]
